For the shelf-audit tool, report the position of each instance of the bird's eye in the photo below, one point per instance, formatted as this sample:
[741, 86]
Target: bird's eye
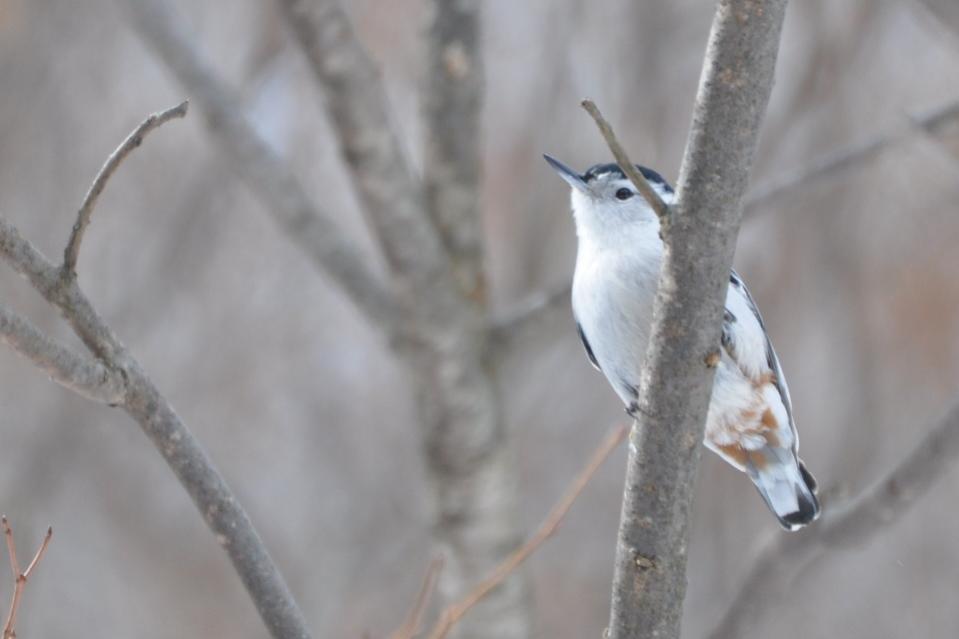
[624, 194]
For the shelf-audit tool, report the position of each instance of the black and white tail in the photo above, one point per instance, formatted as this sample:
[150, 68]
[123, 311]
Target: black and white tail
[788, 488]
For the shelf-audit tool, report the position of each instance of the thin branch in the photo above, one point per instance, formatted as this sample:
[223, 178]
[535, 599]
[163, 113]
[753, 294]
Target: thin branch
[40, 553]
[647, 191]
[306, 223]
[20, 578]
[11, 546]
[411, 625]
[452, 104]
[854, 523]
[133, 141]
[649, 580]
[83, 375]
[453, 613]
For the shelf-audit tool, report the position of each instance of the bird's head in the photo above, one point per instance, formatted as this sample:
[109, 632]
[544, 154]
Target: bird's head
[605, 202]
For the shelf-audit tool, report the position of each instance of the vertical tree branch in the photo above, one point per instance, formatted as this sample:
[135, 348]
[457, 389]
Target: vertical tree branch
[650, 572]
[452, 103]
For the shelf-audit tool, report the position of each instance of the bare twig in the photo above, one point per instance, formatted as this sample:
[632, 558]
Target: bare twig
[39, 555]
[307, 224]
[133, 141]
[411, 625]
[83, 375]
[11, 546]
[650, 572]
[20, 578]
[647, 191]
[453, 613]
[851, 524]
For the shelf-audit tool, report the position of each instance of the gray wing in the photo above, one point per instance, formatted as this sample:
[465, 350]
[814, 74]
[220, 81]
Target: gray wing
[771, 359]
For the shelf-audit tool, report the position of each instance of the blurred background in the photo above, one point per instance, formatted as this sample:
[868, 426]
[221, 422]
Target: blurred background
[303, 406]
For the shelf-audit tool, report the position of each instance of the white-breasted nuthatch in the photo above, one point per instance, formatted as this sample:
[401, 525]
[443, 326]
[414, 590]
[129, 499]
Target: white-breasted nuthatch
[749, 421]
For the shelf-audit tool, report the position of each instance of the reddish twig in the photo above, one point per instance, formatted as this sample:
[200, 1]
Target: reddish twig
[19, 578]
[454, 612]
[412, 624]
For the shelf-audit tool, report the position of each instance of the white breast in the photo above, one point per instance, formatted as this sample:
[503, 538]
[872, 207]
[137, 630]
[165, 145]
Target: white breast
[613, 293]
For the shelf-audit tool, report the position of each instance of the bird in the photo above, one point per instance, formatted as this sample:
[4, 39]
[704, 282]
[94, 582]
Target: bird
[749, 421]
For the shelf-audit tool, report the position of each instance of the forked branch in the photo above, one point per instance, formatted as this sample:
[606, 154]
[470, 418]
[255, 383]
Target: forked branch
[142, 400]
[19, 578]
[649, 580]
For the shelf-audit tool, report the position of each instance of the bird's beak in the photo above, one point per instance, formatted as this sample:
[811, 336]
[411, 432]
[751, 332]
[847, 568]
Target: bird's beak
[572, 177]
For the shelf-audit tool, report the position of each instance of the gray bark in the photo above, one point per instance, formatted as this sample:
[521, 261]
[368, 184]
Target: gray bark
[650, 571]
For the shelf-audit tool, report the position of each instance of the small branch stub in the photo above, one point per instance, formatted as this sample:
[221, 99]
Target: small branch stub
[712, 359]
[641, 184]
[134, 140]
